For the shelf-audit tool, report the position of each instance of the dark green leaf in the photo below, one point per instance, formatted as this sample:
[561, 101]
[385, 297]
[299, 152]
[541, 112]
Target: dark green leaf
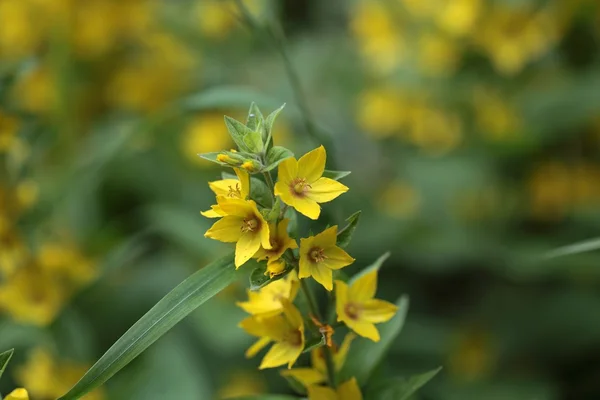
[237, 131]
[345, 235]
[171, 309]
[275, 211]
[260, 192]
[335, 175]
[258, 279]
[276, 155]
[290, 214]
[4, 360]
[366, 354]
[400, 389]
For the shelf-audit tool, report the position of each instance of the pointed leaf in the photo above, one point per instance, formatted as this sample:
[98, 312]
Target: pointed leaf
[255, 118]
[336, 175]
[171, 309]
[276, 155]
[345, 235]
[269, 124]
[314, 343]
[400, 389]
[237, 131]
[4, 360]
[366, 354]
[576, 248]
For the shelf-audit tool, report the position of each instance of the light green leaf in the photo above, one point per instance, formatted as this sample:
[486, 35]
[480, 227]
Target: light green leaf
[314, 343]
[336, 175]
[345, 235]
[238, 132]
[254, 141]
[171, 309]
[366, 354]
[255, 119]
[269, 124]
[576, 248]
[275, 156]
[4, 360]
[400, 389]
[225, 97]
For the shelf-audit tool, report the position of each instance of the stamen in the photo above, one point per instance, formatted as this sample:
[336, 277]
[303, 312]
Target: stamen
[236, 193]
[352, 310]
[299, 187]
[317, 254]
[250, 225]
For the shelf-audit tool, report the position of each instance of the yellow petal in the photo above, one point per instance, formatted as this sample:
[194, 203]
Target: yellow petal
[292, 315]
[321, 393]
[364, 288]
[341, 299]
[264, 231]
[281, 353]
[246, 246]
[282, 190]
[312, 164]
[306, 376]
[227, 229]
[244, 178]
[257, 346]
[224, 186]
[287, 171]
[327, 238]
[376, 311]
[325, 189]
[238, 207]
[336, 258]
[364, 329]
[349, 390]
[305, 206]
[323, 275]
[340, 357]
[17, 394]
[212, 213]
[305, 264]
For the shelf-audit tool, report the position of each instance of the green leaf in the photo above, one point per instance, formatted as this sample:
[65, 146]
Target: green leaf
[345, 235]
[295, 385]
[314, 343]
[4, 360]
[171, 309]
[254, 141]
[273, 214]
[276, 155]
[293, 231]
[260, 192]
[266, 397]
[225, 97]
[336, 175]
[576, 248]
[258, 279]
[400, 389]
[255, 119]
[366, 354]
[375, 266]
[238, 132]
[269, 124]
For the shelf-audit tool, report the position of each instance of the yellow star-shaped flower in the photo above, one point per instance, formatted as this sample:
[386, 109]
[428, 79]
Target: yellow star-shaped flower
[357, 307]
[319, 256]
[242, 224]
[229, 188]
[348, 390]
[300, 184]
[267, 301]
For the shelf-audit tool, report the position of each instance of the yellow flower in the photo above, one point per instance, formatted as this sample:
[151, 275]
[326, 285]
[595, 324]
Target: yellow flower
[286, 330]
[275, 267]
[319, 256]
[348, 390]
[242, 383]
[8, 131]
[318, 373]
[300, 183]
[267, 301]
[67, 262]
[242, 224]
[399, 200]
[229, 188]
[357, 307]
[18, 394]
[280, 241]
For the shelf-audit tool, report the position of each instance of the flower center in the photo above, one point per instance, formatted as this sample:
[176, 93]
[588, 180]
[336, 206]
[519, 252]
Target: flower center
[317, 254]
[352, 311]
[294, 338]
[235, 192]
[250, 224]
[299, 186]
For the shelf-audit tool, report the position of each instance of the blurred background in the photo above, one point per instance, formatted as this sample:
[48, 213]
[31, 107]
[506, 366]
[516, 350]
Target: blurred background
[471, 127]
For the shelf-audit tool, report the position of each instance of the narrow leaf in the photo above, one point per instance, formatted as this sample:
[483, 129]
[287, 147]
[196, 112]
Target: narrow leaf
[366, 354]
[336, 175]
[345, 235]
[315, 343]
[4, 359]
[171, 309]
[276, 155]
[269, 123]
[401, 389]
[576, 248]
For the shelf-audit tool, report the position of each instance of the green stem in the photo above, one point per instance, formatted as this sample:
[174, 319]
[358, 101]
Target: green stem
[312, 305]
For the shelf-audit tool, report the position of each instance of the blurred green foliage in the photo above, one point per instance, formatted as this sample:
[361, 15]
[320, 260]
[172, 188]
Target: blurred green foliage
[470, 126]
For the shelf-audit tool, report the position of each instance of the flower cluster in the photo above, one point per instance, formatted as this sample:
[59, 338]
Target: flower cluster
[260, 215]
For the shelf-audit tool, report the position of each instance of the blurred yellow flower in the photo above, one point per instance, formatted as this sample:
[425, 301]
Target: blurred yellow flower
[399, 200]
[348, 390]
[19, 35]
[300, 183]
[241, 384]
[357, 307]
[18, 394]
[435, 131]
[472, 356]
[437, 54]
[458, 17]
[37, 90]
[550, 192]
[48, 378]
[379, 112]
[380, 39]
[286, 330]
[26, 193]
[67, 262]
[318, 373]
[204, 134]
[267, 301]
[319, 257]
[242, 224]
[496, 118]
[218, 18]
[8, 131]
